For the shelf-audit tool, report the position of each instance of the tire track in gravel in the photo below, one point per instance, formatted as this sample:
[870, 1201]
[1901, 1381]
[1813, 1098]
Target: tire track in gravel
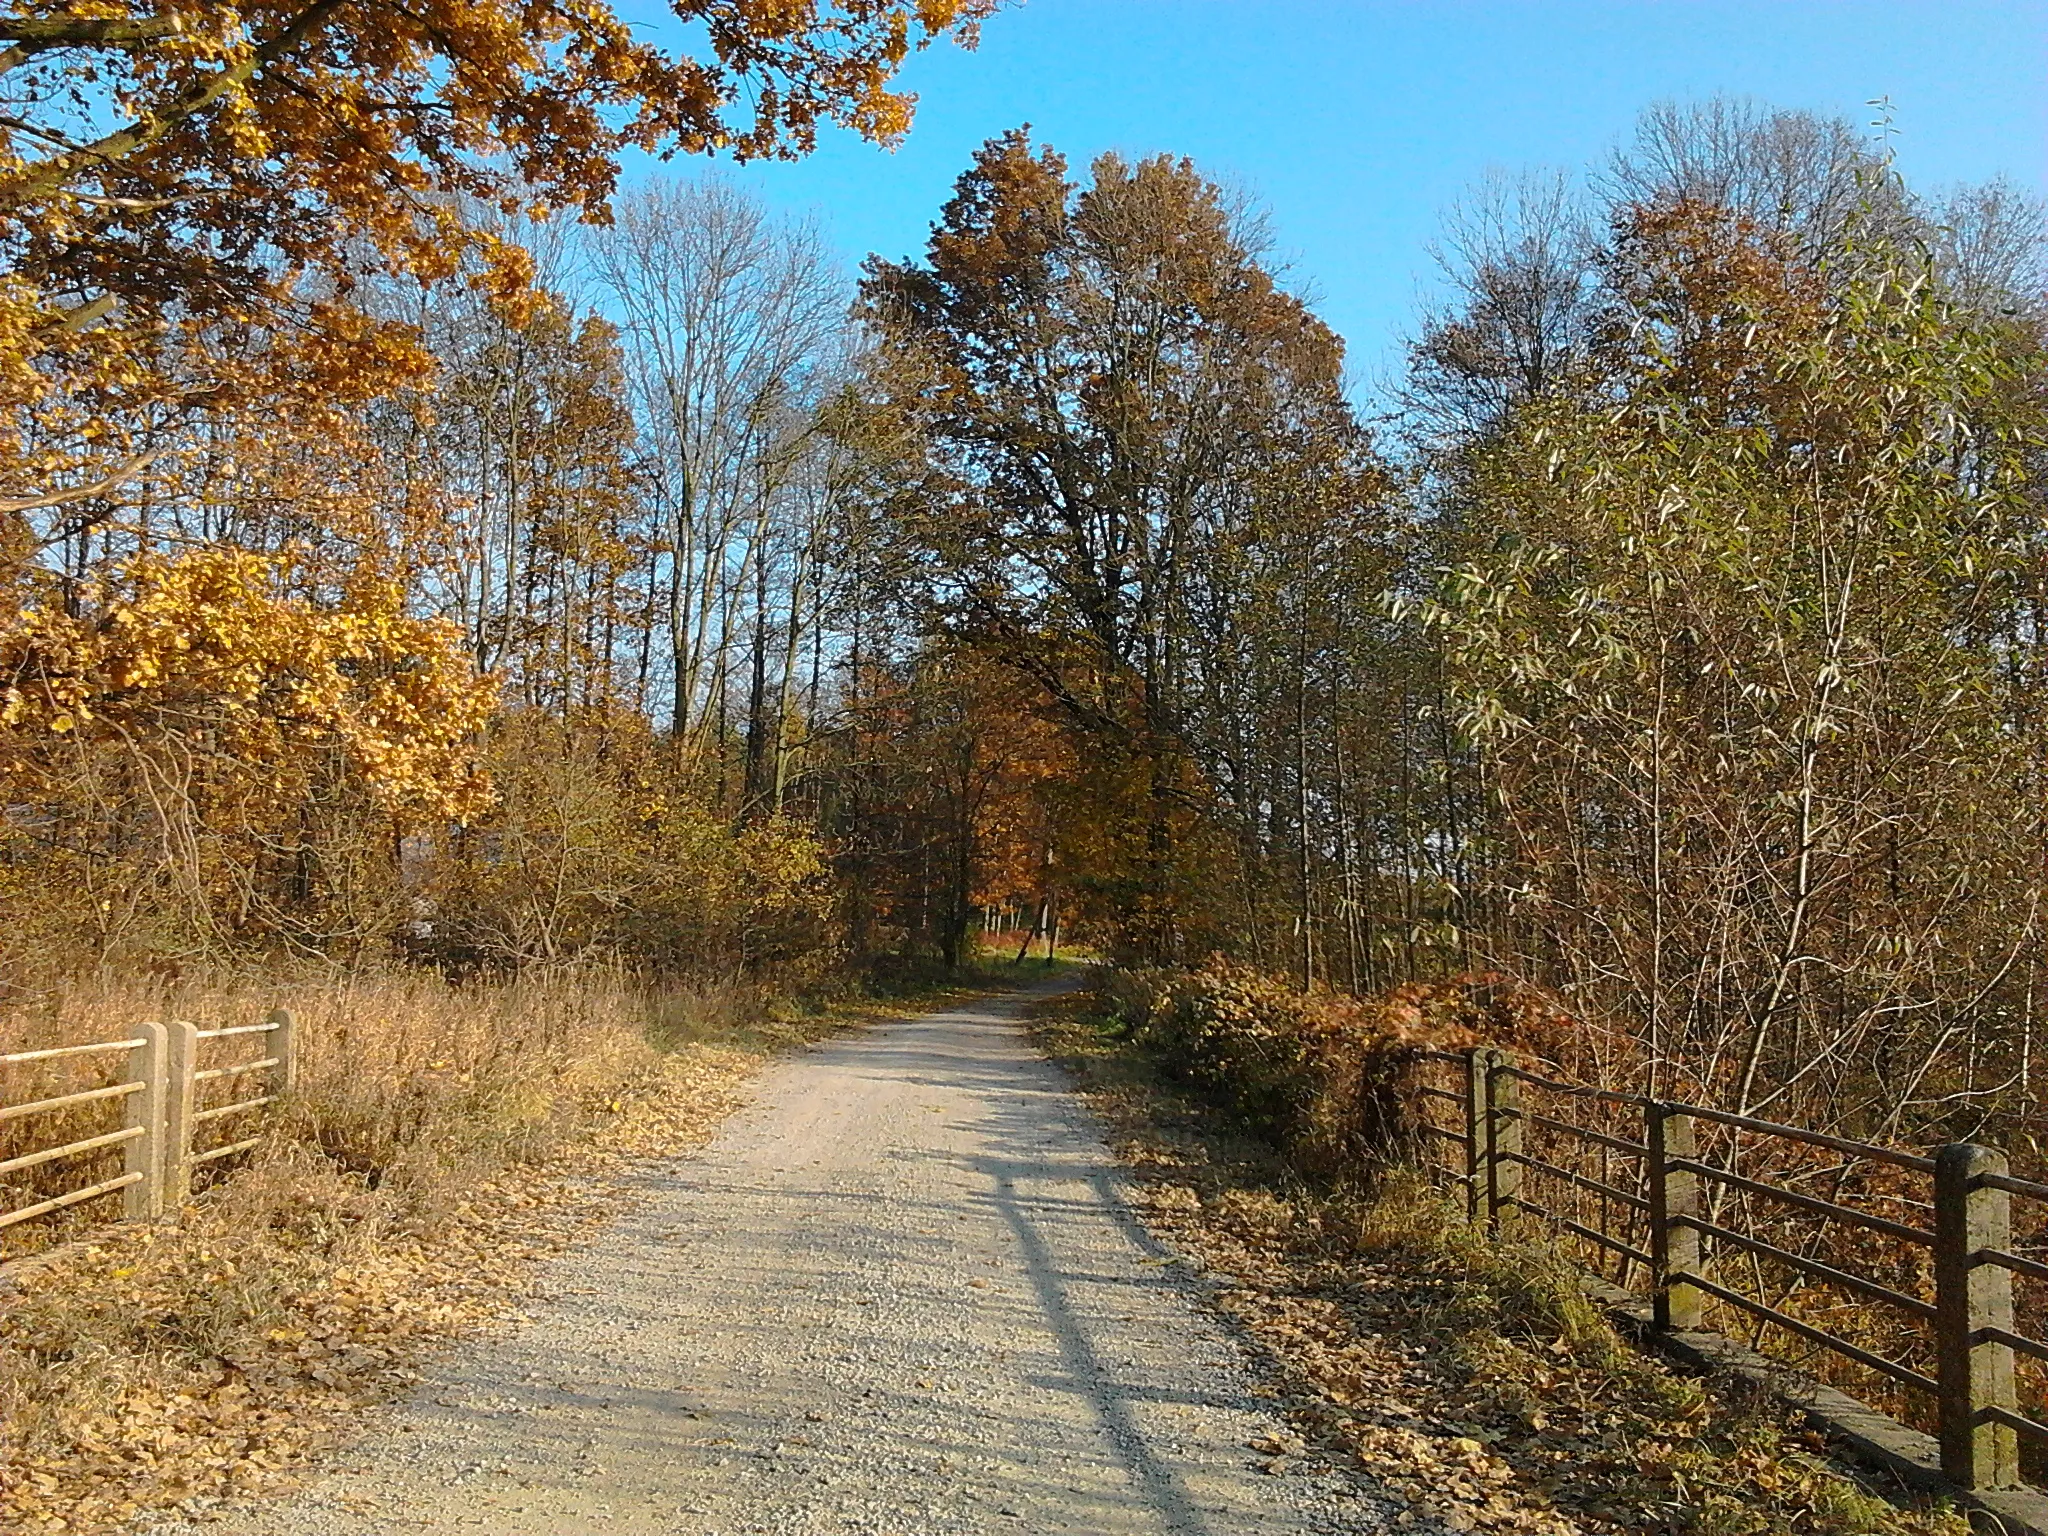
[900, 1294]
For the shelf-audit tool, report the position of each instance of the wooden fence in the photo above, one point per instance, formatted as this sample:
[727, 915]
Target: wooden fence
[1634, 1179]
[165, 1075]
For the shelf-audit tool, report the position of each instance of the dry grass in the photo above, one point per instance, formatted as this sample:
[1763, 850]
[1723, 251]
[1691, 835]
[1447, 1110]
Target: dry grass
[1474, 1379]
[406, 1083]
[439, 1143]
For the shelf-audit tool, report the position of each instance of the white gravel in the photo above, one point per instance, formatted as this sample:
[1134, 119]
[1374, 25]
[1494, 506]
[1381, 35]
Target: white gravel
[900, 1294]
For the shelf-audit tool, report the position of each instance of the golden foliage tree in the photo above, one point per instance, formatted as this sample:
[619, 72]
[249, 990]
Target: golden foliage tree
[213, 561]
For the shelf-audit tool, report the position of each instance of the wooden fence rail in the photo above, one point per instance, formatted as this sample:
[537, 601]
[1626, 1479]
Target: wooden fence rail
[1659, 1221]
[163, 1081]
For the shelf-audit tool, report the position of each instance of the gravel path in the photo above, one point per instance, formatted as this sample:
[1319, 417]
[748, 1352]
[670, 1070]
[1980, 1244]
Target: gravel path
[900, 1294]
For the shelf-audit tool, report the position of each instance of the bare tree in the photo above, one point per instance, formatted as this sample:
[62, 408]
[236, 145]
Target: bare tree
[1991, 245]
[1516, 258]
[1810, 177]
[731, 320]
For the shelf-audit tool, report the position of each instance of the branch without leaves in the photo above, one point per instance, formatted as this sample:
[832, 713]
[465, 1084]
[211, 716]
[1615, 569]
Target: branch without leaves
[99, 487]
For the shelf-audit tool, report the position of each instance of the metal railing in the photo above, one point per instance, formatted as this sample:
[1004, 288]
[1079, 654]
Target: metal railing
[1661, 1222]
[161, 1094]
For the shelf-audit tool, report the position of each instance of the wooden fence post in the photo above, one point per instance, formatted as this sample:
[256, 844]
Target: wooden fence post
[1477, 1153]
[1974, 1372]
[181, 1061]
[148, 1065]
[1674, 1196]
[284, 1045]
[1503, 1117]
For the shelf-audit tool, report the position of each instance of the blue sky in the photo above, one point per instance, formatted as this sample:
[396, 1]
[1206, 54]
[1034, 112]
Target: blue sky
[1356, 123]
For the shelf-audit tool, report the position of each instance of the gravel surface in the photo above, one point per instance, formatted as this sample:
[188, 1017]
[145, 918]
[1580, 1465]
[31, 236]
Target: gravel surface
[899, 1294]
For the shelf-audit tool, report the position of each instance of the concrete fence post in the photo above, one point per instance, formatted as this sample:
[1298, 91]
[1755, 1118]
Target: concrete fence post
[182, 1060]
[1503, 1117]
[149, 1065]
[1971, 1296]
[284, 1045]
[1674, 1194]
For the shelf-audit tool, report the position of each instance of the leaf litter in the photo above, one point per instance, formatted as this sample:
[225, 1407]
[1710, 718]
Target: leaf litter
[1472, 1381]
[184, 1368]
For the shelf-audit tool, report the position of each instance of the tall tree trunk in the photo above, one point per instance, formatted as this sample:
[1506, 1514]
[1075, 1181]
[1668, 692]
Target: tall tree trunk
[755, 789]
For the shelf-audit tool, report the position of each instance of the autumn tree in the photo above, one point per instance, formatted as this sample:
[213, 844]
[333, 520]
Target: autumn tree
[1751, 650]
[205, 212]
[1542, 276]
[183, 176]
[1106, 381]
[1520, 254]
[198, 745]
[943, 793]
[520, 444]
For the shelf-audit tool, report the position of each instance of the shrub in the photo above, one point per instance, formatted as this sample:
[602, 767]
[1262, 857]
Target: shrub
[1328, 1078]
[600, 847]
[1321, 1075]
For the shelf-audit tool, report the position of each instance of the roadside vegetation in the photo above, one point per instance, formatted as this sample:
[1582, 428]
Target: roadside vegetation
[1475, 1379]
[440, 1143]
[465, 567]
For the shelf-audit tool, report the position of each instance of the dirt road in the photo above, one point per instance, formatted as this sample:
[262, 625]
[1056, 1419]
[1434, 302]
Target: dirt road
[900, 1294]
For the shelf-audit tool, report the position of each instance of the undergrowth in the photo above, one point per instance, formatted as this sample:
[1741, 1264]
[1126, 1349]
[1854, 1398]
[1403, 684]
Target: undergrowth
[1474, 1378]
